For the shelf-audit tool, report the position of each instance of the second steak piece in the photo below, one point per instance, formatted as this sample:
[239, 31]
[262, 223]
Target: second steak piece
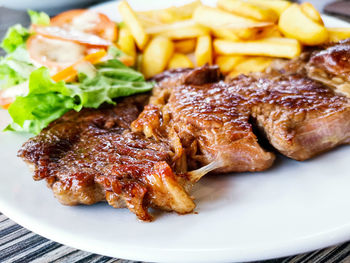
[300, 117]
[211, 122]
[204, 121]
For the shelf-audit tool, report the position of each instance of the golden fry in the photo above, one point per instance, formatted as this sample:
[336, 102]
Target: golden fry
[293, 23]
[179, 60]
[178, 13]
[185, 46]
[252, 64]
[335, 34]
[179, 30]
[250, 10]
[227, 63]
[156, 56]
[148, 21]
[134, 25]
[230, 25]
[171, 14]
[272, 47]
[215, 18]
[126, 43]
[255, 33]
[204, 52]
[225, 34]
[309, 10]
[276, 5]
[274, 33]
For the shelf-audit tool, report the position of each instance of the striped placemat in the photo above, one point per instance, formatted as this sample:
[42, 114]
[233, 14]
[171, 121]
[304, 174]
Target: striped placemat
[18, 245]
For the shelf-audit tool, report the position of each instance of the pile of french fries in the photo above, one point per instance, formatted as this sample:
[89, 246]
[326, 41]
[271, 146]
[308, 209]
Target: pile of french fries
[240, 36]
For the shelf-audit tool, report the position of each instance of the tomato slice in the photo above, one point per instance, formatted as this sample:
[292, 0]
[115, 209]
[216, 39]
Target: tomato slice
[54, 53]
[71, 35]
[87, 21]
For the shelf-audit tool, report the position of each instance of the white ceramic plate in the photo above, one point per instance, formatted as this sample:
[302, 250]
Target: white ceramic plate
[292, 208]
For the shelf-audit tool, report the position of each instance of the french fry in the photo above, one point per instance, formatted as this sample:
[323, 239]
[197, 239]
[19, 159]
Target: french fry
[255, 32]
[139, 60]
[216, 19]
[134, 25]
[249, 65]
[156, 56]
[171, 14]
[178, 13]
[309, 10]
[293, 23]
[276, 5]
[151, 14]
[185, 46]
[274, 33]
[335, 34]
[179, 30]
[179, 60]
[126, 43]
[227, 63]
[250, 10]
[204, 52]
[246, 34]
[147, 21]
[271, 47]
[225, 34]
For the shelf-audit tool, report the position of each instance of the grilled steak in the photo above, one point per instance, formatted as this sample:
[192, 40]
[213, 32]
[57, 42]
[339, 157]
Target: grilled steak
[149, 151]
[207, 120]
[332, 66]
[300, 117]
[92, 156]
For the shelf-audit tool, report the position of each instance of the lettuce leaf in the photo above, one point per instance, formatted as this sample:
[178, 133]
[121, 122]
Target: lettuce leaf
[47, 100]
[9, 77]
[39, 18]
[15, 68]
[16, 36]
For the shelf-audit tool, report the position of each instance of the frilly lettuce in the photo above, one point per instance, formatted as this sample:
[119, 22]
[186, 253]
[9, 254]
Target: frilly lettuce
[16, 36]
[39, 18]
[47, 100]
[16, 67]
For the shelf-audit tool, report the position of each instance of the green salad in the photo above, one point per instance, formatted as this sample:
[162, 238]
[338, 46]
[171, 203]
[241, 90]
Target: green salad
[40, 100]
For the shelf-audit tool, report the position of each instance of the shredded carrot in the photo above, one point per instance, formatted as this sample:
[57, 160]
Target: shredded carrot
[5, 107]
[69, 73]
